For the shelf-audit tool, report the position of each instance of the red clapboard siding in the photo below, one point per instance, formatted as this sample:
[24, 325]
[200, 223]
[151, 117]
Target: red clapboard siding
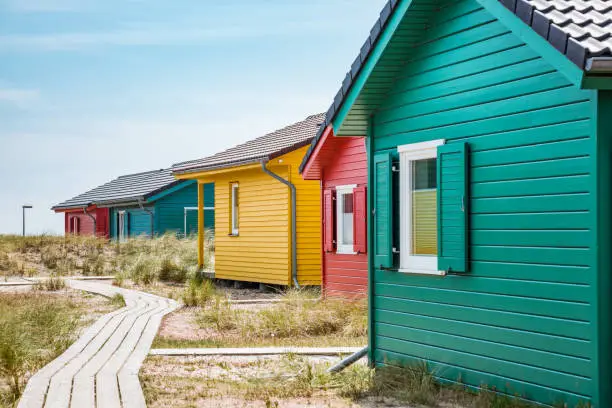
[346, 276]
[86, 223]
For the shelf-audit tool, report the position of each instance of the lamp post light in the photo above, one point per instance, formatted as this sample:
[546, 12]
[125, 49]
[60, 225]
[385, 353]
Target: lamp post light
[23, 208]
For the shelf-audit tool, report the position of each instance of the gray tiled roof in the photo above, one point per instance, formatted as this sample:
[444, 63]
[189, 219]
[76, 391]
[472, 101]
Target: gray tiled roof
[268, 146]
[123, 189]
[578, 28]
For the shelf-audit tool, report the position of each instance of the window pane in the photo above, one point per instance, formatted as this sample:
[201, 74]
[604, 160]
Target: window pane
[235, 207]
[424, 208]
[347, 219]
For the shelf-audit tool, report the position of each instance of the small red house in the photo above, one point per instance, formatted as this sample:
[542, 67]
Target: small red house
[85, 220]
[340, 163]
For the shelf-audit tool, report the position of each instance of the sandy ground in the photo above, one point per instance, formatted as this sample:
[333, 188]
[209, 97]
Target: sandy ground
[183, 382]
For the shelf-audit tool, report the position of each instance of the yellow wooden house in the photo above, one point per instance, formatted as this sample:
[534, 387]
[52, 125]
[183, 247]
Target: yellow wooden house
[267, 217]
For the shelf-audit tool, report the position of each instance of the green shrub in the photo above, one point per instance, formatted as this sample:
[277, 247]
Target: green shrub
[51, 284]
[198, 292]
[118, 300]
[143, 271]
[170, 271]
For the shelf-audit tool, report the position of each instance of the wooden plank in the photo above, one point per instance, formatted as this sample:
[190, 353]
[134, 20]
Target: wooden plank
[117, 339]
[129, 384]
[83, 392]
[107, 385]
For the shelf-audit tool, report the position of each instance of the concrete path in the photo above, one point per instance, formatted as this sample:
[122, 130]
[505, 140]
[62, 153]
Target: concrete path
[100, 370]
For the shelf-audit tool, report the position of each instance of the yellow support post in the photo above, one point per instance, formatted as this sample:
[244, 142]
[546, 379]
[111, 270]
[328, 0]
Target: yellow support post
[200, 225]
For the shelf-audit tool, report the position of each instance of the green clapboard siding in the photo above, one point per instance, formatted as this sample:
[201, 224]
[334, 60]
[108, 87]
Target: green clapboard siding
[170, 210]
[521, 319]
[139, 223]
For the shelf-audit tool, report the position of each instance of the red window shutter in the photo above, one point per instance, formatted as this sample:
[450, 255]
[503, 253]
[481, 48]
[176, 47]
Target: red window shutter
[78, 225]
[360, 220]
[329, 220]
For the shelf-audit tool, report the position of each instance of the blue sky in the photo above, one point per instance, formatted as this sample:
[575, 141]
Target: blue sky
[92, 89]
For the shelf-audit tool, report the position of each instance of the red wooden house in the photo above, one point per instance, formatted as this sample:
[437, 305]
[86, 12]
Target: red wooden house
[340, 163]
[84, 220]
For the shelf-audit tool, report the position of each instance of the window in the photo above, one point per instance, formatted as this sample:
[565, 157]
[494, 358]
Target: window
[234, 210]
[75, 225]
[344, 219]
[418, 207]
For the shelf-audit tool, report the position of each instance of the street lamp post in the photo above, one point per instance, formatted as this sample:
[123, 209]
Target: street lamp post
[23, 208]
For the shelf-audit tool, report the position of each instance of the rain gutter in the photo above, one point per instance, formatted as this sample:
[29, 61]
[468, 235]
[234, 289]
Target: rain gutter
[599, 65]
[293, 220]
[95, 230]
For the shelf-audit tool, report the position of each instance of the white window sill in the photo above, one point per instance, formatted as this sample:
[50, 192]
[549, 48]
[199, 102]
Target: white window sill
[413, 271]
[346, 253]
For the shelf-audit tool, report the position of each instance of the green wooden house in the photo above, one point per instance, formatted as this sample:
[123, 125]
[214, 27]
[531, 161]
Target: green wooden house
[489, 127]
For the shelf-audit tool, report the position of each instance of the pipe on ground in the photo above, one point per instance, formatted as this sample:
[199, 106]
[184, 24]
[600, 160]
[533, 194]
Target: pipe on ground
[353, 358]
[293, 220]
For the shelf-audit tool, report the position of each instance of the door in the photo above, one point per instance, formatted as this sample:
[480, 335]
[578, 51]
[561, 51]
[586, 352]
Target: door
[121, 226]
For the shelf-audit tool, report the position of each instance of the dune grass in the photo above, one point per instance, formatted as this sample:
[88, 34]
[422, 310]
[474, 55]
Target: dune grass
[34, 328]
[280, 382]
[299, 319]
[144, 261]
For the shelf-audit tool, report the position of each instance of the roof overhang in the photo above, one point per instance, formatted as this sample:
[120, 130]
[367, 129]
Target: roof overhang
[191, 172]
[124, 202]
[197, 174]
[323, 153]
[364, 87]
[74, 208]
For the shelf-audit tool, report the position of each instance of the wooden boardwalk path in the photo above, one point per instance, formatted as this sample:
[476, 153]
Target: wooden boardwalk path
[100, 370]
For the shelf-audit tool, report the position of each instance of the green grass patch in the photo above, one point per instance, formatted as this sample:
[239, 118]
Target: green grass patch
[34, 329]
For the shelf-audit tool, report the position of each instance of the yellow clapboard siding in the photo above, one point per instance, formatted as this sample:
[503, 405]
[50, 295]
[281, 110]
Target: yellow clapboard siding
[308, 208]
[262, 250]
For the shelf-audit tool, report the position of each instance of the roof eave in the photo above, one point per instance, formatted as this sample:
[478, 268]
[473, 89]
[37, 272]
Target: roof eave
[202, 169]
[121, 202]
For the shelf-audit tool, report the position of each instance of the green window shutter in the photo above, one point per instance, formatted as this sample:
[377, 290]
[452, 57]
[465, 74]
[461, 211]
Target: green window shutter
[453, 210]
[383, 210]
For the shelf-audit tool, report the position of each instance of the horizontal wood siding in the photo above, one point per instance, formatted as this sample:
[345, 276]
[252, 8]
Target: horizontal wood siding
[102, 222]
[346, 275]
[522, 319]
[260, 253]
[308, 219]
[139, 222]
[86, 223]
[170, 210]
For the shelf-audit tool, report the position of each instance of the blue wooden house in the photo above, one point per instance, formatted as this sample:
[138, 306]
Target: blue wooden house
[149, 204]
[488, 129]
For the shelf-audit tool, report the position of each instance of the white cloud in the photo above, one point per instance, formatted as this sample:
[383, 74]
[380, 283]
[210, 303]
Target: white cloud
[22, 98]
[161, 35]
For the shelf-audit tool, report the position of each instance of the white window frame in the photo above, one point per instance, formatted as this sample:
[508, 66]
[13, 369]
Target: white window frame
[343, 248]
[192, 209]
[121, 226]
[416, 264]
[235, 210]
